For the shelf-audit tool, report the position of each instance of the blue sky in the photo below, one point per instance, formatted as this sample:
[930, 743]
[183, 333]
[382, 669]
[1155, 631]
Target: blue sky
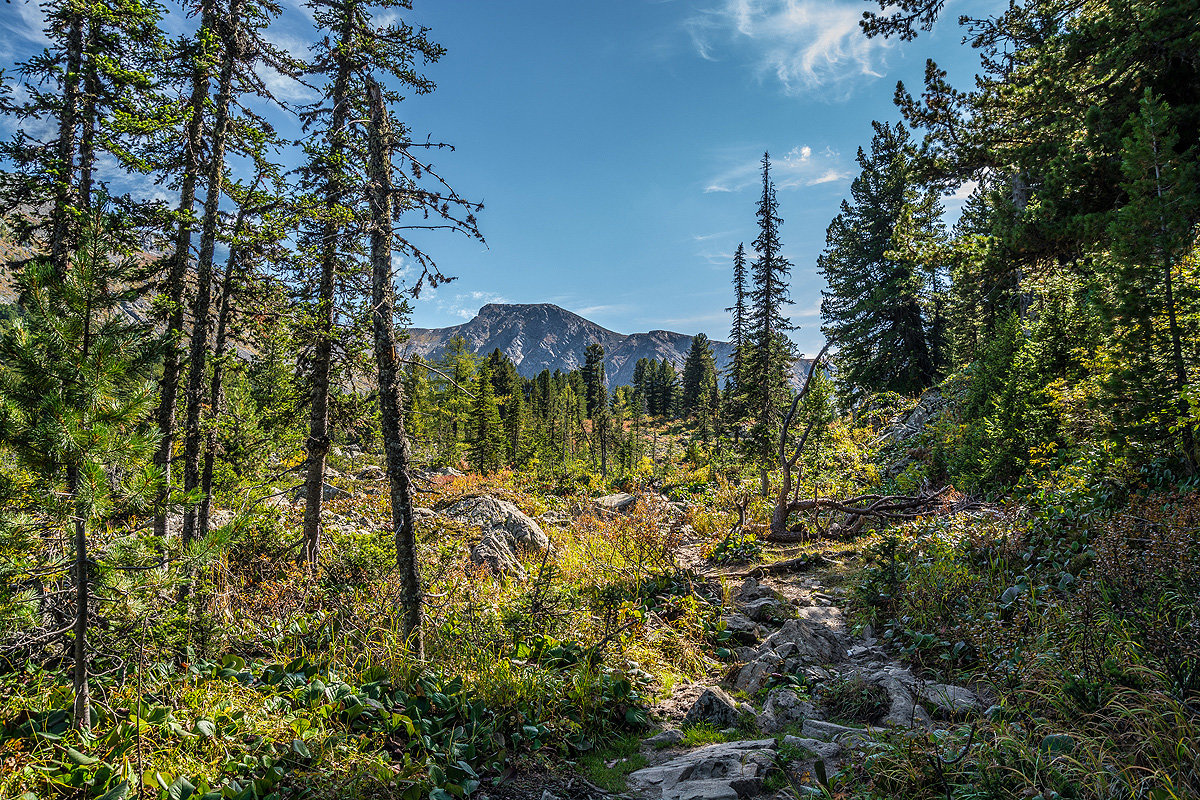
[616, 145]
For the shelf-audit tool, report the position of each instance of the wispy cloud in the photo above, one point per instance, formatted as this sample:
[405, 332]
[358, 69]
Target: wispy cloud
[467, 304]
[807, 45]
[801, 166]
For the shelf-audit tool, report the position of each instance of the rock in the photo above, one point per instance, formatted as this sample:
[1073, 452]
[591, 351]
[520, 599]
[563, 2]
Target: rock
[828, 731]
[901, 686]
[621, 502]
[506, 532]
[328, 492]
[422, 513]
[277, 500]
[765, 609]
[826, 751]
[370, 473]
[752, 590]
[446, 472]
[784, 707]
[813, 643]
[949, 701]
[668, 738]
[753, 676]
[717, 772]
[548, 795]
[714, 707]
[741, 629]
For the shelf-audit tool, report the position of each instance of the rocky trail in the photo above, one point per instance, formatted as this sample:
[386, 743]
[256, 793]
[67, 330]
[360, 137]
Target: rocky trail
[803, 697]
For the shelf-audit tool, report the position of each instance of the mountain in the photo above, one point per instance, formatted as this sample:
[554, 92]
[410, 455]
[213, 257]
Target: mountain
[540, 336]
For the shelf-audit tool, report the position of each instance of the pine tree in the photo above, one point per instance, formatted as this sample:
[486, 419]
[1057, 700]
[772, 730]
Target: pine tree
[769, 361]
[698, 390]
[739, 333]
[75, 379]
[1150, 234]
[875, 310]
[594, 380]
[485, 431]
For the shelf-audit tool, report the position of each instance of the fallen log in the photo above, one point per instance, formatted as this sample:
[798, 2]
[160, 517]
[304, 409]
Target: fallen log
[857, 510]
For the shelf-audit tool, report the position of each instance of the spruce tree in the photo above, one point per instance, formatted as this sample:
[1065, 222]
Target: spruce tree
[594, 380]
[485, 431]
[877, 308]
[698, 389]
[739, 332]
[770, 359]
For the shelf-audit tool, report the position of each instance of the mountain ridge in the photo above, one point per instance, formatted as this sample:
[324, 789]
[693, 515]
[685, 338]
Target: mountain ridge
[539, 336]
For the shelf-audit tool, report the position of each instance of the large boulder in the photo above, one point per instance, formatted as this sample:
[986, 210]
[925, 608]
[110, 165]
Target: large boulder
[714, 707]
[621, 503]
[507, 532]
[726, 771]
[806, 642]
[783, 708]
[950, 702]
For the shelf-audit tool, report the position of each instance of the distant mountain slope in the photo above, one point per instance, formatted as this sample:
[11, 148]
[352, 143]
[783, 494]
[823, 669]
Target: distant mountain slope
[542, 336]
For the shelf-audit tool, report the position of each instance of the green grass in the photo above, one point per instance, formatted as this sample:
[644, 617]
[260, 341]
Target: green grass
[622, 751]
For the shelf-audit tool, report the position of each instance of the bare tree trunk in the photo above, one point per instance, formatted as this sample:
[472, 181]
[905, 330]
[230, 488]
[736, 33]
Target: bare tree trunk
[783, 502]
[81, 712]
[169, 386]
[318, 423]
[216, 394]
[198, 355]
[391, 392]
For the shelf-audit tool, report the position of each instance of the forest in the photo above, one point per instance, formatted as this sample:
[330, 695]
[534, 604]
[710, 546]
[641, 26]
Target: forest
[252, 546]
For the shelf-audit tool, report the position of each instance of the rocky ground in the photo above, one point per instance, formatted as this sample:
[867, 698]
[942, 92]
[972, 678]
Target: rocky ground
[804, 697]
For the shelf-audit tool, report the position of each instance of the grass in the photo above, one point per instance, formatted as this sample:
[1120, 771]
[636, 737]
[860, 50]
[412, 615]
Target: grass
[623, 756]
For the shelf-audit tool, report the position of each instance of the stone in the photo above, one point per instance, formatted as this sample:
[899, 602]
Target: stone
[814, 643]
[328, 492]
[904, 710]
[764, 609]
[370, 473]
[507, 532]
[621, 502]
[950, 702]
[826, 751]
[752, 590]
[753, 676]
[727, 771]
[668, 738]
[828, 731]
[714, 707]
[742, 629]
[784, 707]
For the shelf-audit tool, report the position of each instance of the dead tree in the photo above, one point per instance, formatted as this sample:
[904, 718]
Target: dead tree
[787, 463]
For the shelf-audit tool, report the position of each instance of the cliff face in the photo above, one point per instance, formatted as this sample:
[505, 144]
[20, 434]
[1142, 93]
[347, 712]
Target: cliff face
[543, 336]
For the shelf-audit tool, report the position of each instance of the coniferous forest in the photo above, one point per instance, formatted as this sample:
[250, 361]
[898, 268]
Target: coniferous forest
[254, 545]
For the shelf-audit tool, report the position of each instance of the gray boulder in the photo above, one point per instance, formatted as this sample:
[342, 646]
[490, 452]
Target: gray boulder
[726, 771]
[668, 738]
[714, 707]
[507, 531]
[742, 629]
[328, 492]
[950, 702]
[826, 751]
[621, 502]
[808, 642]
[370, 473]
[784, 707]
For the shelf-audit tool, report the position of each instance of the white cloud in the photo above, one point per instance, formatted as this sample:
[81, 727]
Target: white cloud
[807, 45]
[466, 305]
[797, 168]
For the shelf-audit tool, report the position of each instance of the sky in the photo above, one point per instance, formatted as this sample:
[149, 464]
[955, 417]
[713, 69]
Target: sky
[616, 145]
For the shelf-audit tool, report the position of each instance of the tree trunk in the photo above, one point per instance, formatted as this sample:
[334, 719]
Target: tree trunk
[61, 238]
[81, 712]
[216, 394]
[318, 423]
[391, 397]
[198, 355]
[87, 146]
[169, 386]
